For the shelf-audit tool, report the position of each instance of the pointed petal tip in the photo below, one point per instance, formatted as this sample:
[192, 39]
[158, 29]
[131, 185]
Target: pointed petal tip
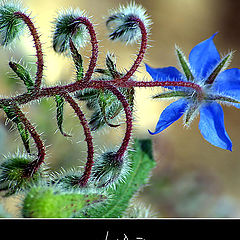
[152, 133]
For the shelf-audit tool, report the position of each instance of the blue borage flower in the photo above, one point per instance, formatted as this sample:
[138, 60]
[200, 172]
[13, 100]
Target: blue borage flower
[207, 69]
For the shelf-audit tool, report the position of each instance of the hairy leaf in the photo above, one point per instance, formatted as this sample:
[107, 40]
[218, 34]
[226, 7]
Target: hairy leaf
[60, 102]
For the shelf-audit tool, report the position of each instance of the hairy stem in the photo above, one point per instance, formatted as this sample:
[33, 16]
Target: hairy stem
[142, 50]
[34, 166]
[38, 46]
[129, 119]
[94, 42]
[88, 138]
[97, 84]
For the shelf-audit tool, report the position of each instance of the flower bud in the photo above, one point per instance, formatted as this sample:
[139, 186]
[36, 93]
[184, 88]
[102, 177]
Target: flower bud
[10, 25]
[123, 23]
[67, 26]
[108, 169]
[12, 174]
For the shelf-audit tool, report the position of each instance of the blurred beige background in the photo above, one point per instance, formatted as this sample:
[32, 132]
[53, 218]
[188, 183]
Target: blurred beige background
[192, 178]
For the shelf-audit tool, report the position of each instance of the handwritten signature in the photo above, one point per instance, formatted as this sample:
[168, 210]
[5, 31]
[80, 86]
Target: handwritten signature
[124, 237]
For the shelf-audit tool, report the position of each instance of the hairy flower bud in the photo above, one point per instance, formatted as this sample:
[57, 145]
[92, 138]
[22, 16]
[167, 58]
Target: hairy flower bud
[10, 25]
[12, 173]
[67, 26]
[123, 23]
[108, 169]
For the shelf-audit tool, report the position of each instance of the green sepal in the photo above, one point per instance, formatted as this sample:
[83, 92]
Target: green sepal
[78, 61]
[23, 74]
[141, 163]
[60, 104]
[221, 66]
[54, 202]
[171, 94]
[190, 114]
[221, 98]
[184, 64]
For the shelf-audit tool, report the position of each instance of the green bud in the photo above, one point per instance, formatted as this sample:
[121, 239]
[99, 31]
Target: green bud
[10, 25]
[66, 27]
[12, 174]
[108, 170]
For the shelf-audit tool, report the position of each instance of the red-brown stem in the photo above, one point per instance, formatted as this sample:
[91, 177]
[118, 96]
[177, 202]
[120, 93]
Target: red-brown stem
[128, 112]
[73, 87]
[88, 138]
[142, 50]
[33, 166]
[94, 42]
[38, 46]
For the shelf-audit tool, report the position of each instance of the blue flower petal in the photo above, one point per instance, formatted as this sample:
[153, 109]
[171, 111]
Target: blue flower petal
[203, 58]
[170, 114]
[165, 74]
[227, 83]
[211, 125]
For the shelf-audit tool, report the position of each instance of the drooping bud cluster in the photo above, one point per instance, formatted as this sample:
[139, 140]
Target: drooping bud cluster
[123, 23]
[12, 173]
[67, 26]
[108, 170]
[11, 26]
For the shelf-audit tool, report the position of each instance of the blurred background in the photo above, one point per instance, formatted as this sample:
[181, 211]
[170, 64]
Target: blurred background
[192, 177]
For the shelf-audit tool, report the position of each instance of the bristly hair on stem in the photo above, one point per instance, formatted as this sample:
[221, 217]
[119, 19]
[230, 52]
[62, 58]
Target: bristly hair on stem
[88, 138]
[37, 44]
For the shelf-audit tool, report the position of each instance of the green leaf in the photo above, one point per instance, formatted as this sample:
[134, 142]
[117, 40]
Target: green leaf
[25, 136]
[53, 202]
[184, 64]
[23, 74]
[60, 103]
[142, 164]
[10, 112]
[87, 94]
[77, 58]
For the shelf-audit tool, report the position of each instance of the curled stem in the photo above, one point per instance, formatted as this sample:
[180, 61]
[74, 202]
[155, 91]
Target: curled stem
[38, 46]
[88, 138]
[94, 42]
[128, 112]
[33, 166]
[141, 52]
